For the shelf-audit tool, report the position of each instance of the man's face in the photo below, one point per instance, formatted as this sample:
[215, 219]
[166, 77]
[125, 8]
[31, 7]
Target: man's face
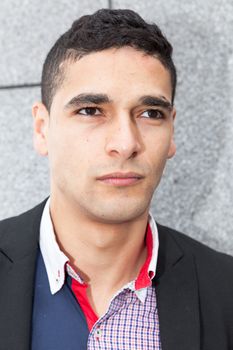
[109, 134]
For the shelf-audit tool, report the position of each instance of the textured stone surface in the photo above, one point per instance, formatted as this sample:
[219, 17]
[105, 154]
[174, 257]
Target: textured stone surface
[24, 175]
[196, 194]
[28, 29]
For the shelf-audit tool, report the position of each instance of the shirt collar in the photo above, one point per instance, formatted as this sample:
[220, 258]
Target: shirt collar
[155, 246]
[53, 257]
[55, 260]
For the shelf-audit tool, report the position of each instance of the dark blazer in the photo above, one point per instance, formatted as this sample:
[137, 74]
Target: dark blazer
[194, 288]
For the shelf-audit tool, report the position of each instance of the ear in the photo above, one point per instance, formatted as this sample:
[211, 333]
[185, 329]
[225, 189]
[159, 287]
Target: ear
[40, 128]
[172, 148]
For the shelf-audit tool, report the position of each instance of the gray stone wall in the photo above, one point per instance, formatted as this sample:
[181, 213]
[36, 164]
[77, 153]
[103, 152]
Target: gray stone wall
[196, 193]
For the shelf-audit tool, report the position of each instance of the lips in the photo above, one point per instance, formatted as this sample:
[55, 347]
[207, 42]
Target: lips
[121, 179]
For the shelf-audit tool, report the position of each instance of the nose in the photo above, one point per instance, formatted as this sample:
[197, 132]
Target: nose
[123, 139]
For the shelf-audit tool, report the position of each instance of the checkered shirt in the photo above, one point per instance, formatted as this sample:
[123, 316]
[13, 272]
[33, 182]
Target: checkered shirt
[129, 324]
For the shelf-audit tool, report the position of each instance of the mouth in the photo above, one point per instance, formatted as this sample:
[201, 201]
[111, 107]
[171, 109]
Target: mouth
[121, 179]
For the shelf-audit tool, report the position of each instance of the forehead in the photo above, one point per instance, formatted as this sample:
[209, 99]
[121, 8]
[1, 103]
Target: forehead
[120, 73]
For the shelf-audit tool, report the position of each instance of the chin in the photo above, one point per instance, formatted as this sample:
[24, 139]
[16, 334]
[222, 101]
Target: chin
[121, 214]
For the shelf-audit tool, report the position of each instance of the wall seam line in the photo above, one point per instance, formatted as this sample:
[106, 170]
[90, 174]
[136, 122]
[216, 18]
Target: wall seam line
[19, 86]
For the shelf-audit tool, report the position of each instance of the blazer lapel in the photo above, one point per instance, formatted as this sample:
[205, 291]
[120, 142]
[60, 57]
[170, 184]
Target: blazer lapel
[177, 296]
[18, 252]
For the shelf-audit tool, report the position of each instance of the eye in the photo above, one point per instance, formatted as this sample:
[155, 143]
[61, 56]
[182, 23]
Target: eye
[89, 111]
[153, 114]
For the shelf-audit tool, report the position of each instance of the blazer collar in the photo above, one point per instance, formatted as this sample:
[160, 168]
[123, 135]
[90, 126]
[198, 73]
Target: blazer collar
[177, 295]
[17, 265]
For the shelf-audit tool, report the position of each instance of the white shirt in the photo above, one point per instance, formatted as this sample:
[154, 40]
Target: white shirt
[55, 260]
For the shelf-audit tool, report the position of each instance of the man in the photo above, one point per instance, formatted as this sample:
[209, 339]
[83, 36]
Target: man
[89, 267]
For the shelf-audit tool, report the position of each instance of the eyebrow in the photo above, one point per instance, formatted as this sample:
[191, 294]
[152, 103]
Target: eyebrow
[156, 101]
[86, 99]
[91, 98]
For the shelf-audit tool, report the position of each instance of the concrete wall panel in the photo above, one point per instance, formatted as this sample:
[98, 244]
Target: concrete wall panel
[24, 177]
[28, 30]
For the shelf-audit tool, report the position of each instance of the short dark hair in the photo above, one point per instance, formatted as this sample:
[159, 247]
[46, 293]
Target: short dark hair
[103, 30]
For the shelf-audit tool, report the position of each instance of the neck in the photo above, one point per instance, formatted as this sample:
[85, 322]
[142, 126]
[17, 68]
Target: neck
[106, 256]
[116, 251]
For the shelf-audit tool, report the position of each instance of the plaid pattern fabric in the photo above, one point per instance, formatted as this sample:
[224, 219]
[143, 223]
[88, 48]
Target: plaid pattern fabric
[128, 324]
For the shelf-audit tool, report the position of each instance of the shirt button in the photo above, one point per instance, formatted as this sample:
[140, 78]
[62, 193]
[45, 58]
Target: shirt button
[98, 334]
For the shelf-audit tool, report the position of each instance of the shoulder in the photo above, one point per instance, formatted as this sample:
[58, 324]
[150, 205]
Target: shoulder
[200, 251]
[22, 219]
[19, 234]
[212, 266]
[193, 246]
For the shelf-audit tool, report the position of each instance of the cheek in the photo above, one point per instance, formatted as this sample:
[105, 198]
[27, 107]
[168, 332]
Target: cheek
[73, 150]
[157, 143]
